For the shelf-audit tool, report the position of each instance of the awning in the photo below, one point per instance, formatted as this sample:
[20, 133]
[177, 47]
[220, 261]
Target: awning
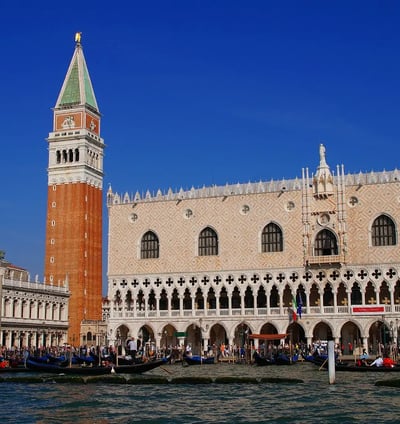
[268, 336]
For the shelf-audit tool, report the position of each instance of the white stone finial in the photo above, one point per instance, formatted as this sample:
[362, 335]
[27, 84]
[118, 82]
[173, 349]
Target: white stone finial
[322, 159]
[323, 180]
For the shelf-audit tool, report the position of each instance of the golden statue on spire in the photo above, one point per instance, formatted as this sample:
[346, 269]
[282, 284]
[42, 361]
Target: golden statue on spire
[78, 37]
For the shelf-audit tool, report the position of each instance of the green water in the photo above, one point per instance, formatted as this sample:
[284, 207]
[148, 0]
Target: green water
[352, 399]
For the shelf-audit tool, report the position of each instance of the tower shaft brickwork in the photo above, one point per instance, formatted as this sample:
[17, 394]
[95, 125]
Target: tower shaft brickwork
[74, 208]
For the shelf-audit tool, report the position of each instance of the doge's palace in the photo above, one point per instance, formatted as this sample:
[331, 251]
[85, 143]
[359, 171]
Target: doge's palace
[215, 264]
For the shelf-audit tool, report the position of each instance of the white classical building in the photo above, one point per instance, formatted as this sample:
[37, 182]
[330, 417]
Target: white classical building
[214, 264]
[32, 314]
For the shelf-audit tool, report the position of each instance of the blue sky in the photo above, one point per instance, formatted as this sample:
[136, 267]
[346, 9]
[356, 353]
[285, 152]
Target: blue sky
[197, 93]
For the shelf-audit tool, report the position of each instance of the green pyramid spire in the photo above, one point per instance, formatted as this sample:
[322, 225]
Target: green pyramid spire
[77, 88]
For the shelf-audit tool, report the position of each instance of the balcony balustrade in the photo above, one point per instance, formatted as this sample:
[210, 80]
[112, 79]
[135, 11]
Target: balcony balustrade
[325, 260]
[246, 312]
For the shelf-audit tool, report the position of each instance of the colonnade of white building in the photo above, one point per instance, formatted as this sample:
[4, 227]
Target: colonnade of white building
[363, 295]
[32, 314]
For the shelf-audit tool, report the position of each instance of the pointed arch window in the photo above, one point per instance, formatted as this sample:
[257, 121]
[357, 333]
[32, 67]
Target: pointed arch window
[150, 246]
[383, 232]
[208, 242]
[325, 244]
[271, 238]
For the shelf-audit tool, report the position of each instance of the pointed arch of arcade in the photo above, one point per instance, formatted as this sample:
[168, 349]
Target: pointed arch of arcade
[322, 331]
[199, 299]
[381, 336]
[241, 349]
[370, 293]
[296, 334]
[241, 335]
[236, 298]
[168, 338]
[211, 299]
[218, 335]
[223, 298]
[261, 298]
[120, 336]
[350, 337]
[194, 337]
[268, 328]
[248, 298]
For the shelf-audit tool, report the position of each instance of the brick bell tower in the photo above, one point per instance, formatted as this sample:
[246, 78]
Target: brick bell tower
[74, 206]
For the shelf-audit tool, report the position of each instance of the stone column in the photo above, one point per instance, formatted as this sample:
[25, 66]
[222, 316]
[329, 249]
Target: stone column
[307, 293]
[205, 345]
[255, 308]
[335, 310]
[348, 301]
[281, 309]
[365, 343]
[194, 305]
[181, 306]
[169, 303]
[309, 341]
[392, 304]
[158, 342]
[8, 338]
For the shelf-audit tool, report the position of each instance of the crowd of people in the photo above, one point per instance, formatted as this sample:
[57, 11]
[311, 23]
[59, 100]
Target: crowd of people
[133, 348]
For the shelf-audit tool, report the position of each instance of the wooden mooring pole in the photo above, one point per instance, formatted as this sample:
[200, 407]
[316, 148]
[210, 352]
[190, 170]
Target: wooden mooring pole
[331, 361]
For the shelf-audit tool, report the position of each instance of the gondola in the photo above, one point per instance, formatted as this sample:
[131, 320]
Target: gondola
[316, 359]
[198, 360]
[140, 368]
[280, 359]
[276, 358]
[357, 366]
[365, 368]
[7, 367]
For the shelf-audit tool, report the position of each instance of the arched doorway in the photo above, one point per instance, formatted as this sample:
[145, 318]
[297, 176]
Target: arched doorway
[146, 341]
[168, 340]
[194, 339]
[269, 329]
[296, 334]
[380, 338]
[217, 335]
[350, 336]
[121, 336]
[218, 338]
[242, 331]
[322, 332]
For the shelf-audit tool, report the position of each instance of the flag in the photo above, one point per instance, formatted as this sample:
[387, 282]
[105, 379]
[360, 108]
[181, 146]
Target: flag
[292, 315]
[293, 311]
[299, 306]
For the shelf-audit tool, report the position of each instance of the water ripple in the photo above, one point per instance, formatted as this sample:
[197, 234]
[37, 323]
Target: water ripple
[353, 399]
